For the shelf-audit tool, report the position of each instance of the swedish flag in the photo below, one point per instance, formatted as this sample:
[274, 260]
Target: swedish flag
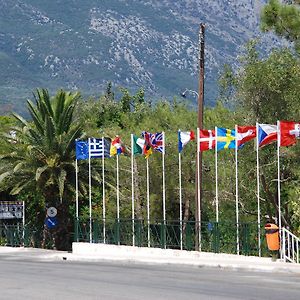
[225, 138]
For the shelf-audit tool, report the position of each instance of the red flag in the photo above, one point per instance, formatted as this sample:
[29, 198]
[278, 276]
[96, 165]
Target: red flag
[245, 134]
[289, 132]
[116, 147]
[207, 139]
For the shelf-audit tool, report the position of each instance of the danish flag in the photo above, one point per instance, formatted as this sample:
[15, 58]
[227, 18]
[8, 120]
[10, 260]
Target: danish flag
[207, 139]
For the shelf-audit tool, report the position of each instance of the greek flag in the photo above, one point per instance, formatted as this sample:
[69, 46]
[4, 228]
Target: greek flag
[99, 147]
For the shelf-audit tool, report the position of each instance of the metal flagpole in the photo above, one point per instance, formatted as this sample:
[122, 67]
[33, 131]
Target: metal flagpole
[76, 195]
[164, 189]
[198, 191]
[90, 191]
[216, 171]
[118, 198]
[132, 191]
[103, 193]
[258, 191]
[148, 202]
[236, 192]
[278, 179]
[180, 197]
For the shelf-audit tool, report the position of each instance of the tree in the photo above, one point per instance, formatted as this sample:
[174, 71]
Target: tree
[109, 93]
[41, 155]
[283, 19]
[266, 90]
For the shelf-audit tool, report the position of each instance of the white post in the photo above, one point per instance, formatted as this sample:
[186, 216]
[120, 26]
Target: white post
[283, 254]
[180, 198]
[118, 199]
[278, 185]
[148, 202]
[118, 192]
[258, 191]
[198, 191]
[132, 192]
[90, 191]
[164, 189]
[103, 194]
[76, 197]
[236, 192]
[23, 222]
[216, 171]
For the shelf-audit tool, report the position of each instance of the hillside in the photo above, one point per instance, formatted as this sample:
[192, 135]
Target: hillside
[79, 44]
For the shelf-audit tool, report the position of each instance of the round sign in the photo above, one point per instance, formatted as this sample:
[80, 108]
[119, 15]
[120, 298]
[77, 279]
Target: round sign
[51, 222]
[51, 212]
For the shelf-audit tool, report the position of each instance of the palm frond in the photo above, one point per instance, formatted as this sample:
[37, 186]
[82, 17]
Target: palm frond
[61, 183]
[4, 175]
[39, 172]
[20, 119]
[19, 187]
[18, 166]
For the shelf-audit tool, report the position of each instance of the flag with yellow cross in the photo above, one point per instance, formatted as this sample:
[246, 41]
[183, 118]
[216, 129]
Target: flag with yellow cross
[225, 138]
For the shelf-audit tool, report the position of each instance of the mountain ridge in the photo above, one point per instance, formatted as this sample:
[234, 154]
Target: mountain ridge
[151, 44]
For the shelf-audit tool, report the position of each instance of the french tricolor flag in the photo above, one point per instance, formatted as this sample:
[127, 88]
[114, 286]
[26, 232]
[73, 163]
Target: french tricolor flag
[266, 134]
[184, 137]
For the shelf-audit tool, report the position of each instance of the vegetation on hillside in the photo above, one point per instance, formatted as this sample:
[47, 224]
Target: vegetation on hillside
[37, 156]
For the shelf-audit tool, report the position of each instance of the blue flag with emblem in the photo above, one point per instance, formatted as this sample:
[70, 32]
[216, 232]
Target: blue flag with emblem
[225, 139]
[82, 150]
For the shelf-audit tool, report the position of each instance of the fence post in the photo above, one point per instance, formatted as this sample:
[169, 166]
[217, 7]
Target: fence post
[188, 236]
[118, 232]
[163, 235]
[97, 231]
[246, 238]
[138, 232]
[76, 237]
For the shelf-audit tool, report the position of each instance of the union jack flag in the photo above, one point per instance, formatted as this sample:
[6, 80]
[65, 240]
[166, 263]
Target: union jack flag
[155, 140]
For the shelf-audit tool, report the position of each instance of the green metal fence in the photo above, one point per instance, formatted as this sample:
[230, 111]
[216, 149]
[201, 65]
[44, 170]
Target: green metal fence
[215, 237]
[16, 235]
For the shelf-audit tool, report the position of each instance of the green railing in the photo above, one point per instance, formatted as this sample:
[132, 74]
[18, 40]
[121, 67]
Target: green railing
[215, 237]
[15, 236]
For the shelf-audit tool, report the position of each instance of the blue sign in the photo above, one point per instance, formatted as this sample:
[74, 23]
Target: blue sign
[51, 222]
[210, 226]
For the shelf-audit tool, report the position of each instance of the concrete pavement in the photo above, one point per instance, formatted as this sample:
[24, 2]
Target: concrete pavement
[169, 256]
[101, 252]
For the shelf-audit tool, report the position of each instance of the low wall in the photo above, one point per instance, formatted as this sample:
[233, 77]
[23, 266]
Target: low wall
[105, 251]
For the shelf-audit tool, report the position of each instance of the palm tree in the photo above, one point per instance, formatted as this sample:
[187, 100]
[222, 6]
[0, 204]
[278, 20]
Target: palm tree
[41, 155]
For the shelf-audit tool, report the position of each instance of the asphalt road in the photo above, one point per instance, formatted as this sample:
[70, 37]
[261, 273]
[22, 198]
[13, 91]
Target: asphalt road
[29, 278]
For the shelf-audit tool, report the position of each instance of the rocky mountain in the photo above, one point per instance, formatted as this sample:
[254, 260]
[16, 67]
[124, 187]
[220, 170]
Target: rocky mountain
[79, 44]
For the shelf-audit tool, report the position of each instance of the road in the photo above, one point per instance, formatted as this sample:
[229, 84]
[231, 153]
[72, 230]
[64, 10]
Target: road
[31, 278]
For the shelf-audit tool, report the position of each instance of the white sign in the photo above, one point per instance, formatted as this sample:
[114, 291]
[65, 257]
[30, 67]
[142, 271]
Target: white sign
[11, 210]
[51, 212]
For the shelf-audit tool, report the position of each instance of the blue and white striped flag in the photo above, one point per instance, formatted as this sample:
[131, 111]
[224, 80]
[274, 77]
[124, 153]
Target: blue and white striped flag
[98, 147]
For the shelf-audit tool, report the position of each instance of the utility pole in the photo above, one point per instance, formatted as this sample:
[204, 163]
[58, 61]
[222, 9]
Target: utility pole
[198, 197]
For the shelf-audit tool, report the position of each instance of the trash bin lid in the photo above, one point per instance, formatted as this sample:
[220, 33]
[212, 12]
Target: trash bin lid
[271, 226]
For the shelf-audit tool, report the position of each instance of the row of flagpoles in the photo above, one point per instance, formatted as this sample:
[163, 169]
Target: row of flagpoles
[284, 132]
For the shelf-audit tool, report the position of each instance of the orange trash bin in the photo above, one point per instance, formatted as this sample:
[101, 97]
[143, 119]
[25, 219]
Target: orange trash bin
[272, 235]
